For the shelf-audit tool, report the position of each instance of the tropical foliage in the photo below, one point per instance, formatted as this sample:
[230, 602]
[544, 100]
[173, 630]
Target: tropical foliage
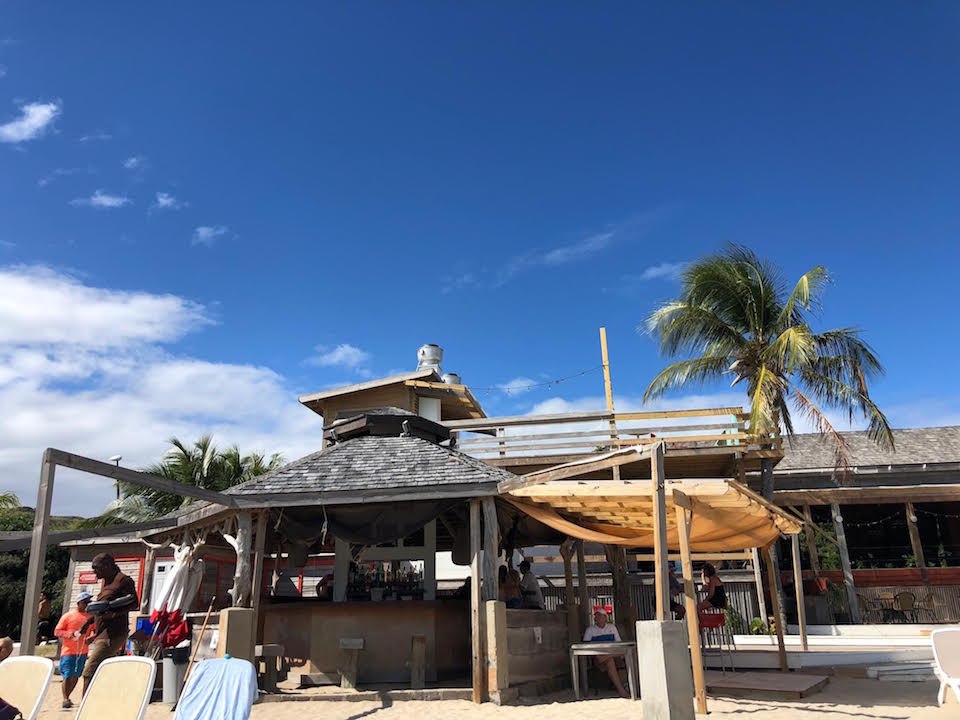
[9, 501]
[738, 320]
[201, 464]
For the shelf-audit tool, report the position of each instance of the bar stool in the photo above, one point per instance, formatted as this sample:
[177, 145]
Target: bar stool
[713, 627]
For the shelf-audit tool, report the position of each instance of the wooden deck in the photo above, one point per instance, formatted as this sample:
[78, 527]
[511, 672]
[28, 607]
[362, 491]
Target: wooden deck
[765, 685]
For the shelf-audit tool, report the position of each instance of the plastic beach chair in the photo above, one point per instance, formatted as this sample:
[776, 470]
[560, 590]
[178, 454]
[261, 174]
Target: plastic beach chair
[24, 681]
[946, 653]
[120, 690]
[224, 688]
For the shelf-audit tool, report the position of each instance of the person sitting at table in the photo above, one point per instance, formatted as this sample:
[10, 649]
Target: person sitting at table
[509, 588]
[716, 594]
[603, 631]
[530, 588]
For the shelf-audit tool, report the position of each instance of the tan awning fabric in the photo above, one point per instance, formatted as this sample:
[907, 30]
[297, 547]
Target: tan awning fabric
[726, 515]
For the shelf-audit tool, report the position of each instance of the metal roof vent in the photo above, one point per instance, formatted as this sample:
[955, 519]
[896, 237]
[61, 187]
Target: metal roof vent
[429, 356]
[451, 378]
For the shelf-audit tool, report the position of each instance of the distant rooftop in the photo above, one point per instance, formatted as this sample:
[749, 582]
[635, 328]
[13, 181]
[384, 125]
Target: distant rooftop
[914, 446]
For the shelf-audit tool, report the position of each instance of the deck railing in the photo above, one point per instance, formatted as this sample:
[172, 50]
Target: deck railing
[590, 432]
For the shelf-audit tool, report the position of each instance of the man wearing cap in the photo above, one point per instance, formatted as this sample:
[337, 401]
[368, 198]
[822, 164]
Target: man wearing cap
[112, 626]
[73, 651]
[604, 631]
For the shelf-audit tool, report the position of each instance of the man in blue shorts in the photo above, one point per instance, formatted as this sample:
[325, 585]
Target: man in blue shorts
[73, 651]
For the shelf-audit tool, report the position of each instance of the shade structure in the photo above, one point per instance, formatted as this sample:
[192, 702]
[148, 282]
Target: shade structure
[726, 514]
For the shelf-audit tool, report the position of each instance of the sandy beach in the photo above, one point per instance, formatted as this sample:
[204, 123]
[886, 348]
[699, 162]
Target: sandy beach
[842, 698]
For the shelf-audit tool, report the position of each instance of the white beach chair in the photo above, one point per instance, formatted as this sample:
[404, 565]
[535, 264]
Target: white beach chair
[120, 690]
[946, 653]
[24, 682]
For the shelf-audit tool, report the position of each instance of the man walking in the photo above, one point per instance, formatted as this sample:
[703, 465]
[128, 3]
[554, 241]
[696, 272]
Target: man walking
[73, 651]
[111, 626]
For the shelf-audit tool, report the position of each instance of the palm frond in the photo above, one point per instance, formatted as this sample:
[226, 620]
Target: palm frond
[805, 295]
[9, 501]
[808, 409]
[851, 401]
[681, 327]
[766, 388]
[793, 347]
[685, 373]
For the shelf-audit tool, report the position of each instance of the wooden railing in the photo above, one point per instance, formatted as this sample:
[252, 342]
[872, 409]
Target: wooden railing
[590, 432]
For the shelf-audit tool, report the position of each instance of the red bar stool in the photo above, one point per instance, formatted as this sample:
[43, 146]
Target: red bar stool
[713, 627]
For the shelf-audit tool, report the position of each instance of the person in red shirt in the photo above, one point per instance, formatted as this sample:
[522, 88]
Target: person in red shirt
[73, 651]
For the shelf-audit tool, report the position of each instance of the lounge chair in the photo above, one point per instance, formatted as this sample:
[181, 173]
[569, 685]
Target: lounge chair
[120, 690]
[224, 688]
[24, 682]
[946, 654]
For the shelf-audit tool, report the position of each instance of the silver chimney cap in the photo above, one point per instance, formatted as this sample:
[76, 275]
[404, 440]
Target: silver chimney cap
[429, 356]
[452, 378]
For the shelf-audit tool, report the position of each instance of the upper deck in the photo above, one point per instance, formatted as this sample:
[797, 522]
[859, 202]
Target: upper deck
[702, 442]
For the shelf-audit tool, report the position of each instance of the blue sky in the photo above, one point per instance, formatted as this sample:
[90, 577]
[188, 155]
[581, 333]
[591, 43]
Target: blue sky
[209, 209]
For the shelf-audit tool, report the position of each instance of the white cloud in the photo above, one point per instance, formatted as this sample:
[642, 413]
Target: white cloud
[35, 118]
[664, 270]
[96, 136]
[578, 250]
[517, 386]
[84, 369]
[135, 162]
[343, 355]
[208, 234]
[62, 172]
[166, 201]
[458, 282]
[102, 201]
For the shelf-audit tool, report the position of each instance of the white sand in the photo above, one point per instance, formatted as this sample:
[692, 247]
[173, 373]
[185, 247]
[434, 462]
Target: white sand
[843, 698]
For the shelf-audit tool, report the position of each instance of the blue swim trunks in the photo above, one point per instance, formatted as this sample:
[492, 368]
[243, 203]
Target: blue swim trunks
[72, 665]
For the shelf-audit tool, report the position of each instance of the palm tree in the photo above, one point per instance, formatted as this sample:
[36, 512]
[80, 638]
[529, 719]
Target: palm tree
[9, 501]
[200, 465]
[737, 319]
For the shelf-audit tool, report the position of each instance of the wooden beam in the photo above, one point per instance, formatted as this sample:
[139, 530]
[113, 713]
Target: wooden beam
[684, 519]
[491, 544]
[21, 540]
[38, 553]
[771, 579]
[476, 637]
[661, 582]
[608, 392]
[845, 564]
[758, 579]
[622, 605]
[430, 560]
[140, 479]
[915, 542]
[576, 468]
[809, 534]
[569, 594]
[259, 545]
[582, 590]
[798, 590]
[341, 569]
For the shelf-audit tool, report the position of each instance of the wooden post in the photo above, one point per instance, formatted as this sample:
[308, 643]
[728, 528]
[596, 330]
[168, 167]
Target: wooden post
[684, 518]
[661, 581]
[622, 605]
[771, 572]
[38, 553]
[241, 576]
[915, 542]
[256, 589]
[798, 590]
[583, 591]
[766, 477]
[569, 596]
[430, 561]
[498, 668]
[845, 564]
[475, 627]
[146, 587]
[418, 662]
[491, 544]
[811, 541]
[341, 569]
[608, 391]
[758, 579]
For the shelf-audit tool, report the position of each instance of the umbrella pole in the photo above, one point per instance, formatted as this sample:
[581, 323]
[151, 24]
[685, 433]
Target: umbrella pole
[193, 655]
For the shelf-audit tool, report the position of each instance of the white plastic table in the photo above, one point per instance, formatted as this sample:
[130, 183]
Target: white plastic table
[587, 649]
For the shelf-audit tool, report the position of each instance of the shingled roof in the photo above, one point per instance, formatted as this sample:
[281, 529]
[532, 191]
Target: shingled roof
[372, 465]
[914, 446]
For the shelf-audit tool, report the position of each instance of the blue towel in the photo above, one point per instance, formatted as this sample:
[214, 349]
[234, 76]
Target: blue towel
[610, 637]
[221, 689]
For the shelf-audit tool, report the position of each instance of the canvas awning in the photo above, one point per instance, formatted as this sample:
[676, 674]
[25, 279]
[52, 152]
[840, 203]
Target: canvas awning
[726, 515]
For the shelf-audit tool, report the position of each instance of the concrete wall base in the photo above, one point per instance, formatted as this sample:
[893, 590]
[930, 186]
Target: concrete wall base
[666, 677]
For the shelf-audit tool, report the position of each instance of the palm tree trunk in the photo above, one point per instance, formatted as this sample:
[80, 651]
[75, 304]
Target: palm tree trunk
[766, 476]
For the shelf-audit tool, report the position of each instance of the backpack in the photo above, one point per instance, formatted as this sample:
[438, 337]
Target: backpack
[9, 712]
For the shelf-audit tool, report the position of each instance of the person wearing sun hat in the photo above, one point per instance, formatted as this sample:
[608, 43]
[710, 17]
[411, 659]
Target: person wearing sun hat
[604, 631]
[73, 652]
